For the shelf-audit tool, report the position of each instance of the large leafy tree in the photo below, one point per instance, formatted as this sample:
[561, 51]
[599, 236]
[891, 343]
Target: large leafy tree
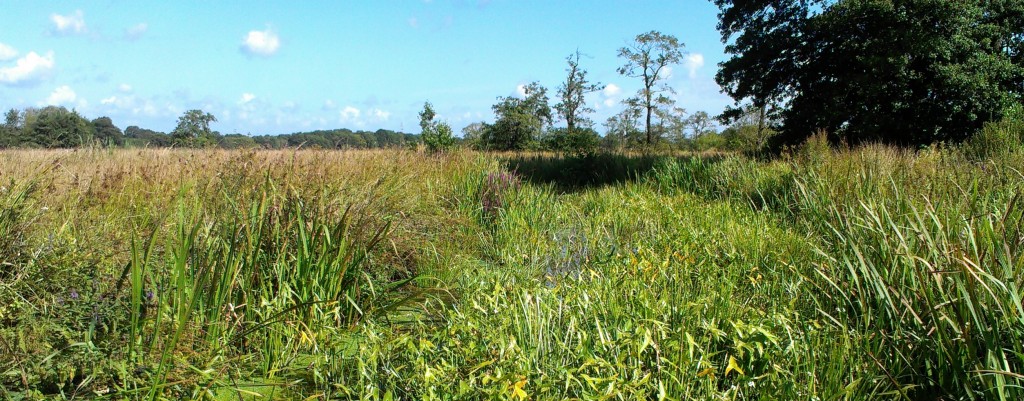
[106, 132]
[55, 127]
[193, 129]
[572, 106]
[896, 71]
[519, 121]
[647, 58]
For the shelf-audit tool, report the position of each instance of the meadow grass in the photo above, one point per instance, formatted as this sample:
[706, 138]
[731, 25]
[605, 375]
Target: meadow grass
[871, 273]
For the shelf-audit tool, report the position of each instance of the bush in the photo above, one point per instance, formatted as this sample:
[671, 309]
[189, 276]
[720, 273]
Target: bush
[998, 139]
[579, 142]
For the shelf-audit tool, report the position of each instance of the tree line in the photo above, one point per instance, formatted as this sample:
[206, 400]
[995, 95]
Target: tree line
[58, 127]
[650, 119]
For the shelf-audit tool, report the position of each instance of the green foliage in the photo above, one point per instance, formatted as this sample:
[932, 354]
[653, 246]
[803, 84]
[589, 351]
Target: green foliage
[572, 107]
[750, 131]
[55, 127]
[622, 130]
[646, 58]
[193, 129]
[11, 128]
[579, 142]
[472, 135]
[107, 133]
[141, 137]
[998, 140]
[437, 135]
[902, 72]
[519, 122]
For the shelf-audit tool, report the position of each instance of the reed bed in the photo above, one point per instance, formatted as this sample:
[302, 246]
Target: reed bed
[868, 273]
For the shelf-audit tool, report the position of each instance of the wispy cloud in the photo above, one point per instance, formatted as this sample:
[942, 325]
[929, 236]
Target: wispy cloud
[693, 62]
[72, 24]
[7, 52]
[136, 31]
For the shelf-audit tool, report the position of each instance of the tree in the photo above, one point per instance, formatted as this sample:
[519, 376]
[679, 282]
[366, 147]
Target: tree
[472, 135]
[437, 135]
[749, 131]
[519, 121]
[55, 127]
[142, 137]
[621, 129]
[646, 59]
[699, 123]
[193, 129]
[671, 123]
[106, 132]
[900, 71]
[9, 130]
[573, 107]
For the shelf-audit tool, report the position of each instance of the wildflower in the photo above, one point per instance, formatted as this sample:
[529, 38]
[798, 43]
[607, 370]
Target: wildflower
[493, 192]
[73, 294]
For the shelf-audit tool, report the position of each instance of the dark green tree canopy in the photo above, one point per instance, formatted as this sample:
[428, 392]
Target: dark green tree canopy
[55, 127]
[106, 132]
[896, 71]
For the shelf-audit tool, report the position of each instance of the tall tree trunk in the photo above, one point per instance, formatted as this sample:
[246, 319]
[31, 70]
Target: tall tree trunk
[649, 123]
[760, 128]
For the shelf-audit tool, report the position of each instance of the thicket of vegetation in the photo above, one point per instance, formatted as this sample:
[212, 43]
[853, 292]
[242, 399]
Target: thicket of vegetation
[864, 273]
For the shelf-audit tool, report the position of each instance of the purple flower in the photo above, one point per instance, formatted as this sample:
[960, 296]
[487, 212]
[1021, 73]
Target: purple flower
[74, 294]
[495, 188]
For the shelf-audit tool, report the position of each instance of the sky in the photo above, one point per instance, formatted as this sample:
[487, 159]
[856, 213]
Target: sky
[263, 67]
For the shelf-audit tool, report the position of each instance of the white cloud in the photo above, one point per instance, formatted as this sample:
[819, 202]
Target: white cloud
[247, 97]
[109, 100]
[62, 96]
[329, 105]
[611, 90]
[261, 43]
[7, 52]
[349, 114]
[136, 31]
[381, 115]
[73, 24]
[693, 62]
[124, 88]
[30, 68]
[609, 102]
[521, 90]
[666, 72]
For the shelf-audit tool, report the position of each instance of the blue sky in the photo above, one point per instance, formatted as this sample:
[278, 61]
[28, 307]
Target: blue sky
[278, 67]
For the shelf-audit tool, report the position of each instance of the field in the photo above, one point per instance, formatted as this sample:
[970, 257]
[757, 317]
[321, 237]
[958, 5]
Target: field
[868, 273]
